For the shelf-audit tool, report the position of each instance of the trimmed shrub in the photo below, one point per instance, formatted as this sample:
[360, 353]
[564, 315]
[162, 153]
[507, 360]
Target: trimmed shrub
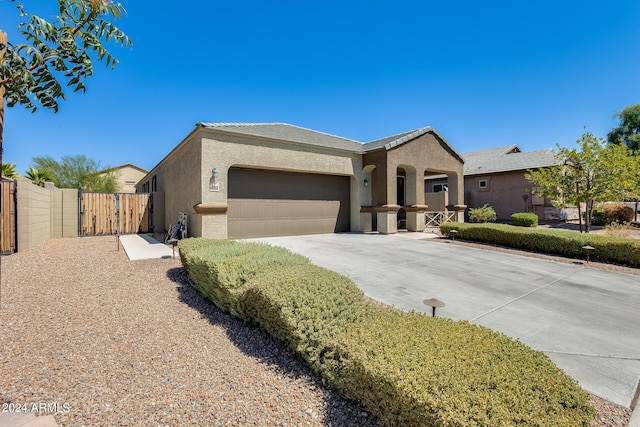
[413, 370]
[304, 306]
[558, 242]
[407, 368]
[484, 214]
[220, 269]
[524, 219]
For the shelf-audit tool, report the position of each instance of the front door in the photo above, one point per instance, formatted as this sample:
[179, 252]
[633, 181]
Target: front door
[402, 214]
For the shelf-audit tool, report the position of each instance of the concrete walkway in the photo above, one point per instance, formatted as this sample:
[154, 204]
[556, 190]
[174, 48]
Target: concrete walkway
[142, 246]
[586, 320]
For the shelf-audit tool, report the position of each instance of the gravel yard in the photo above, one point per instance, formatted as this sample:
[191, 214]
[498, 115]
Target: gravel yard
[104, 341]
[109, 342]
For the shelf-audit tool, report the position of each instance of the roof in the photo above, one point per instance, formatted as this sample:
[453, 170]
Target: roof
[291, 133]
[505, 159]
[122, 166]
[130, 165]
[286, 132]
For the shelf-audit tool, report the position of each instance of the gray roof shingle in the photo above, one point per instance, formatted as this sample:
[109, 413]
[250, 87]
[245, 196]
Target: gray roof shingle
[507, 158]
[287, 132]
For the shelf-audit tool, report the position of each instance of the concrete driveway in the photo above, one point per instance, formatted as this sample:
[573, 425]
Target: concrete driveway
[586, 320]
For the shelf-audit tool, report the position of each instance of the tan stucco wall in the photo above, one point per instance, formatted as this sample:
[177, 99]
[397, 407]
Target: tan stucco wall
[225, 151]
[436, 202]
[34, 214]
[128, 177]
[64, 213]
[426, 153]
[178, 177]
[44, 214]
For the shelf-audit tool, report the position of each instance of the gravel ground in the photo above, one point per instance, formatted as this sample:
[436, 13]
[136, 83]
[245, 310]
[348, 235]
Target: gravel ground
[108, 342]
[98, 340]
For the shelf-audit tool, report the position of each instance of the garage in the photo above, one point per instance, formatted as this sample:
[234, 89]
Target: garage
[264, 203]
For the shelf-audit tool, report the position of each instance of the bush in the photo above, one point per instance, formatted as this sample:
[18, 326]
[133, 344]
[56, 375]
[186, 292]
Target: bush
[524, 219]
[608, 213]
[558, 242]
[220, 269]
[406, 368]
[413, 370]
[598, 216]
[303, 306]
[484, 214]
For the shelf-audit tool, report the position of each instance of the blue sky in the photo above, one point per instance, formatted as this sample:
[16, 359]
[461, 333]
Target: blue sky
[484, 74]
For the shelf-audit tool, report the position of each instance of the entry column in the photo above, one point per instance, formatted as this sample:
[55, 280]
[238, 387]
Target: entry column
[416, 217]
[387, 218]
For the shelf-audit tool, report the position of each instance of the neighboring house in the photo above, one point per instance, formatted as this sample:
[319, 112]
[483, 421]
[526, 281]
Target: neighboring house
[240, 180]
[128, 176]
[495, 177]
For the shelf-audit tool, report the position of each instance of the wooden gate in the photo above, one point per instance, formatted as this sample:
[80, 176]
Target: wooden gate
[8, 217]
[111, 213]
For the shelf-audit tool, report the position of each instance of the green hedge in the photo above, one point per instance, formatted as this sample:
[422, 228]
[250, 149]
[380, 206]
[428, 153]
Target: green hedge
[413, 370]
[406, 368]
[524, 219]
[559, 242]
[304, 306]
[220, 269]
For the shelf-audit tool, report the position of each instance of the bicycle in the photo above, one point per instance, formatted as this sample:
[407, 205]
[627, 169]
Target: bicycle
[178, 230]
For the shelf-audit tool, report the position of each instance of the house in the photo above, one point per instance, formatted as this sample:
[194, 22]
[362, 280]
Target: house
[241, 180]
[128, 176]
[496, 177]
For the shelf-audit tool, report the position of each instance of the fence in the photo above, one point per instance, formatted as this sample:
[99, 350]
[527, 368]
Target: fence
[7, 217]
[30, 214]
[434, 219]
[114, 213]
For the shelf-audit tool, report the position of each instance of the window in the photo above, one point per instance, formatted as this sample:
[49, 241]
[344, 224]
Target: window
[154, 184]
[437, 188]
[483, 184]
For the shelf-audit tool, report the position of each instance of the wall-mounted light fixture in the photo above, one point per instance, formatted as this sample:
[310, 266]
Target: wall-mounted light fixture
[366, 183]
[213, 185]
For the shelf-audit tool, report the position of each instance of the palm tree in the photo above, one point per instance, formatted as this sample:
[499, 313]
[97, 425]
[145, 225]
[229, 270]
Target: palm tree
[9, 170]
[39, 176]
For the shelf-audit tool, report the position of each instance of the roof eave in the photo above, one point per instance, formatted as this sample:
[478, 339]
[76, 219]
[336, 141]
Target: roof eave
[270, 138]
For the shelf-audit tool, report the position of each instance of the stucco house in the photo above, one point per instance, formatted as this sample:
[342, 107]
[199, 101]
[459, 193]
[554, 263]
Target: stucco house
[241, 180]
[128, 176]
[496, 176]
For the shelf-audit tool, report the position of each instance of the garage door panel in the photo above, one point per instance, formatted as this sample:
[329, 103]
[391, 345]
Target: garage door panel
[271, 203]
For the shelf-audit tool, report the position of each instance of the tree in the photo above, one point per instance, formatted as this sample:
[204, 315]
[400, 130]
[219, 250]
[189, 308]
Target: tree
[57, 51]
[9, 170]
[78, 172]
[596, 172]
[628, 132]
[62, 50]
[39, 176]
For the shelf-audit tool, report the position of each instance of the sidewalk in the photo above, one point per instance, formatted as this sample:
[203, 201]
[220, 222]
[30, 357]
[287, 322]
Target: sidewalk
[143, 246]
